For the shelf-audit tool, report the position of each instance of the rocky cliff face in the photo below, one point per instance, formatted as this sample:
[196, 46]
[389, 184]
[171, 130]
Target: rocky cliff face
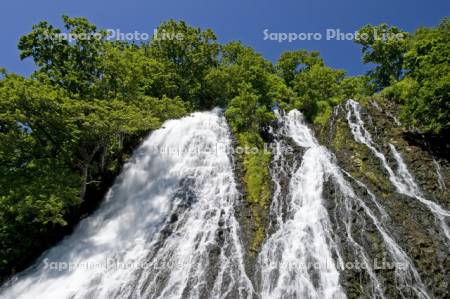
[391, 224]
[410, 223]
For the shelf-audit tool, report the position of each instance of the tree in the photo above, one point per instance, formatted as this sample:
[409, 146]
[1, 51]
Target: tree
[384, 46]
[290, 64]
[189, 55]
[246, 113]
[317, 90]
[37, 184]
[356, 87]
[71, 64]
[425, 92]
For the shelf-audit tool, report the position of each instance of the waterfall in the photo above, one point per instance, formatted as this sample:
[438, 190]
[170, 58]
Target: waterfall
[402, 179]
[296, 261]
[440, 177]
[166, 229]
[406, 274]
[301, 258]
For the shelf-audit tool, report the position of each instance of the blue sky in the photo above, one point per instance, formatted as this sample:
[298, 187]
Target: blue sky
[243, 20]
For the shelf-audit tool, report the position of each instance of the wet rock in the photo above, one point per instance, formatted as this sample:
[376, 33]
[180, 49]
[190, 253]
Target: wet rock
[410, 222]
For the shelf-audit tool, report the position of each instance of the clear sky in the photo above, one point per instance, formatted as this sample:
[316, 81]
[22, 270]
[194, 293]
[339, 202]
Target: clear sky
[243, 20]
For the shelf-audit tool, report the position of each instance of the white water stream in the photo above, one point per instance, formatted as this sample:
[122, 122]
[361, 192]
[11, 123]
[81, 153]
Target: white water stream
[401, 178]
[180, 178]
[296, 261]
[300, 259]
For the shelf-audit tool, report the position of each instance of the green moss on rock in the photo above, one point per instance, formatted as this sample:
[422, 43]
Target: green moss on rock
[256, 181]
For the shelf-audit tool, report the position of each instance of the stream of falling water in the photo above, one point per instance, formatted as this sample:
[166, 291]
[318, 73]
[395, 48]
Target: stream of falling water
[440, 177]
[402, 178]
[296, 261]
[165, 230]
[300, 259]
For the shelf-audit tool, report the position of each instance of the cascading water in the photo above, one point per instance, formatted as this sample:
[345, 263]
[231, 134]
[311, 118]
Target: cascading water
[440, 177]
[165, 230]
[296, 261]
[406, 274]
[402, 179]
[301, 258]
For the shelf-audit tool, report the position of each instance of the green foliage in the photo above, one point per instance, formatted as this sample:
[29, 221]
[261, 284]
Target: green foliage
[37, 185]
[401, 91]
[292, 63]
[424, 93]
[188, 59]
[384, 46]
[315, 88]
[257, 183]
[428, 63]
[246, 112]
[319, 83]
[256, 177]
[356, 87]
[74, 65]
